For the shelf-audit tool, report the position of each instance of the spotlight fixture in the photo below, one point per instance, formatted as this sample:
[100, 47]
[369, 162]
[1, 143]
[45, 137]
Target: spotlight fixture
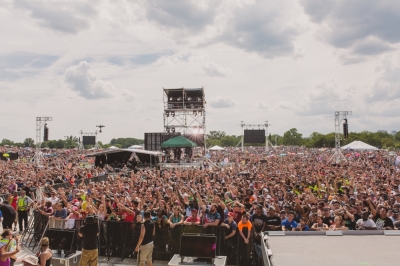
[173, 113]
[173, 129]
[198, 99]
[194, 112]
[167, 114]
[179, 99]
[171, 99]
[189, 99]
[167, 129]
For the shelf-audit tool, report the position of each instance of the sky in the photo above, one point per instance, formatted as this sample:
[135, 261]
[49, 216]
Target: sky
[291, 63]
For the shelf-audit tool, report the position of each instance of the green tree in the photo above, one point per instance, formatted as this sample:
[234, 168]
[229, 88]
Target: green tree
[7, 142]
[292, 137]
[28, 142]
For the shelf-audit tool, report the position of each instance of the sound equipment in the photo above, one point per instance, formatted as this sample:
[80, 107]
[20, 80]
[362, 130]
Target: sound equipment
[89, 140]
[152, 141]
[61, 239]
[254, 136]
[46, 133]
[198, 246]
[345, 129]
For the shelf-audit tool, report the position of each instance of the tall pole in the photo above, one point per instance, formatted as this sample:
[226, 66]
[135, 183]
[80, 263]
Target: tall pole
[337, 157]
[266, 138]
[242, 125]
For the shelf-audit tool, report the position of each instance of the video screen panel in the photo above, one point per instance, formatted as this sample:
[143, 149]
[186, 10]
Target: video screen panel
[89, 140]
[254, 136]
[198, 246]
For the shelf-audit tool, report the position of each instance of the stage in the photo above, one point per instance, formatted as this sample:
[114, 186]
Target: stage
[346, 250]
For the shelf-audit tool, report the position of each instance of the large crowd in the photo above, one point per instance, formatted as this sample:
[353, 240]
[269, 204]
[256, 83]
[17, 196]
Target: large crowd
[289, 189]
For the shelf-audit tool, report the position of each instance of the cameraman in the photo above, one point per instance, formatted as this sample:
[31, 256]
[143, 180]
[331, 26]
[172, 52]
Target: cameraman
[89, 233]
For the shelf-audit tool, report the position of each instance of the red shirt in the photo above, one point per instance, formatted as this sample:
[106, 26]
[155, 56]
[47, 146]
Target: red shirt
[192, 220]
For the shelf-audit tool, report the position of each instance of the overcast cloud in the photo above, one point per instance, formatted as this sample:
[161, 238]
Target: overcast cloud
[292, 63]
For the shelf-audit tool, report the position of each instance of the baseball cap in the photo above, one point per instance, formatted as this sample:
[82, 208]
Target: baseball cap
[230, 214]
[272, 208]
[194, 210]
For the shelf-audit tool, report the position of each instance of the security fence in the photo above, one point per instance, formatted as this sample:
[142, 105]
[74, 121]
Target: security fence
[119, 239]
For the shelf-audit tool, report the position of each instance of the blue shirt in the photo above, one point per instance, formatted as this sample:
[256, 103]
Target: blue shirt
[289, 225]
[211, 217]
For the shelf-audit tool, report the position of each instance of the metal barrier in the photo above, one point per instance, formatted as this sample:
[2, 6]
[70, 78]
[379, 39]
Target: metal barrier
[37, 227]
[119, 239]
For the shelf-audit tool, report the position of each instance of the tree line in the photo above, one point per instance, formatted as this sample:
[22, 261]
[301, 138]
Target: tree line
[72, 142]
[292, 137]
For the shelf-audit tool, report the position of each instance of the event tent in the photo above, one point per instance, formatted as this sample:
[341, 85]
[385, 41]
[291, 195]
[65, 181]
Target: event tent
[113, 148]
[139, 147]
[359, 145]
[178, 142]
[217, 148]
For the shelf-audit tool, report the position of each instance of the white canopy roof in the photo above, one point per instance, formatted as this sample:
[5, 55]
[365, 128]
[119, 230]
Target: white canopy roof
[136, 147]
[113, 148]
[217, 148]
[359, 145]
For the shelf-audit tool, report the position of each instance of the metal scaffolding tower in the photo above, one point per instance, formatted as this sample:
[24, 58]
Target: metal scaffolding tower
[184, 112]
[40, 122]
[338, 156]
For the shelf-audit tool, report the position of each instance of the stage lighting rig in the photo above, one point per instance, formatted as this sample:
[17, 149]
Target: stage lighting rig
[100, 126]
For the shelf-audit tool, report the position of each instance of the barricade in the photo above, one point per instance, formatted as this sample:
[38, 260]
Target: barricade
[119, 239]
[37, 227]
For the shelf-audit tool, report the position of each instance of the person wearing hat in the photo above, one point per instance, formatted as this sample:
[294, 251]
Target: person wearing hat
[273, 220]
[193, 219]
[4, 255]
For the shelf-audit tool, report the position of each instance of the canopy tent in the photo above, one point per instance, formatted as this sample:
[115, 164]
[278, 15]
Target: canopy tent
[139, 147]
[178, 142]
[113, 148]
[217, 148]
[360, 146]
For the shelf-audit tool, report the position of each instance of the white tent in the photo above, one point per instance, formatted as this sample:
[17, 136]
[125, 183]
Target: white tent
[113, 148]
[360, 146]
[217, 148]
[138, 147]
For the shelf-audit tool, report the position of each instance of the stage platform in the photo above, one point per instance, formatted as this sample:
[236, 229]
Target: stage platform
[346, 250]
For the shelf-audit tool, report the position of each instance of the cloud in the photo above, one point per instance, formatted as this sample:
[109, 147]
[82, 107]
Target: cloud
[387, 86]
[199, 62]
[222, 102]
[322, 100]
[63, 16]
[371, 46]
[188, 16]
[260, 27]
[348, 23]
[23, 64]
[262, 105]
[78, 78]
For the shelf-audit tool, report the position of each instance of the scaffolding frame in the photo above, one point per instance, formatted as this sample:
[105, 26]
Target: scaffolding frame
[184, 111]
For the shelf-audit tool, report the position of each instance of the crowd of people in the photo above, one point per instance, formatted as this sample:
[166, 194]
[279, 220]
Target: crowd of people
[286, 189]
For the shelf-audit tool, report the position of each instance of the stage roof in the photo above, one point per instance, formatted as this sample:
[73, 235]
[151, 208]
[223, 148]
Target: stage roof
[183, 91]
[178, 142]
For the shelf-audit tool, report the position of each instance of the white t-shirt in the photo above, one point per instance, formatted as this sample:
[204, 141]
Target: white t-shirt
[53, 201]
[367, 223]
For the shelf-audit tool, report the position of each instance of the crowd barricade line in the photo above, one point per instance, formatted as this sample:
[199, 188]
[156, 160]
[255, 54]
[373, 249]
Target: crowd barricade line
[119, 239]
